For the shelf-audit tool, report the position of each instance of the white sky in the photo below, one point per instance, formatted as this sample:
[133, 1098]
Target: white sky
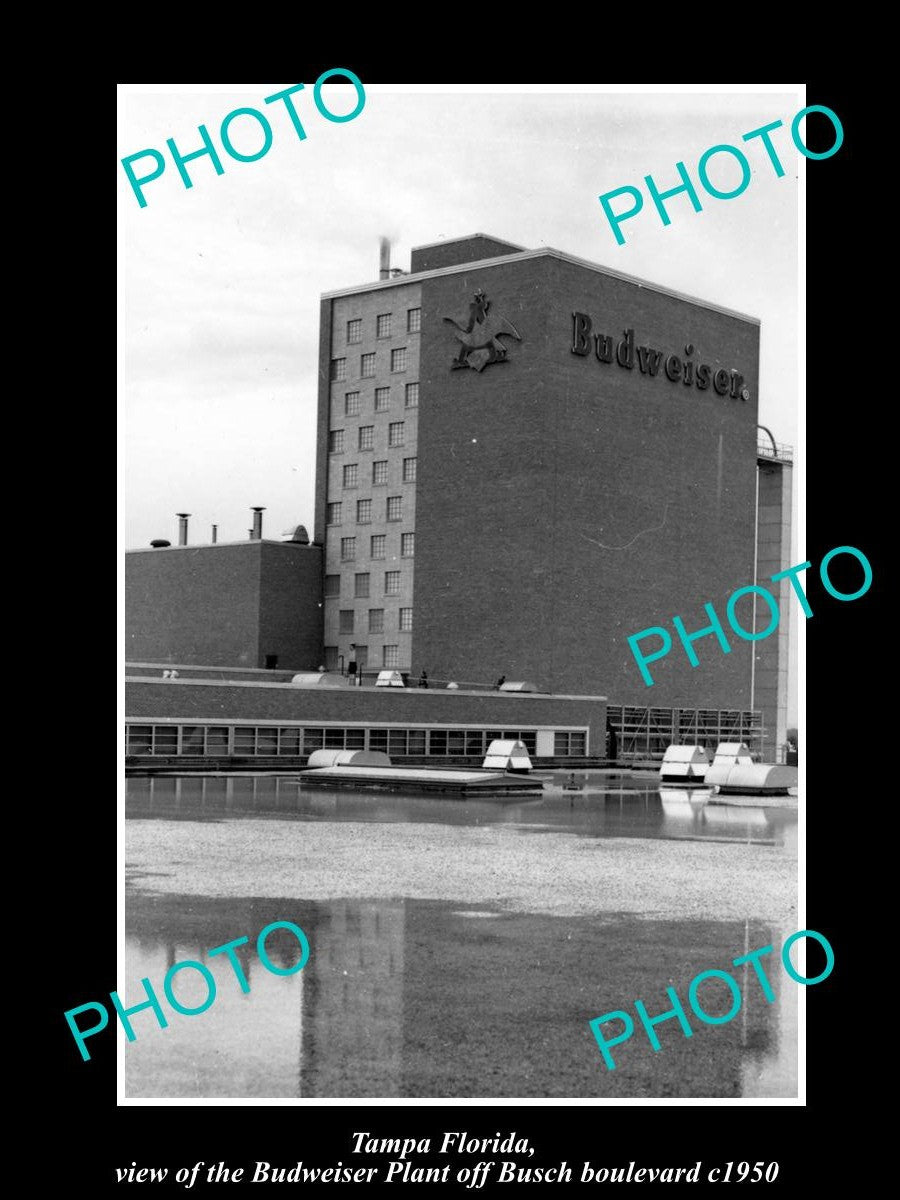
[219, 285]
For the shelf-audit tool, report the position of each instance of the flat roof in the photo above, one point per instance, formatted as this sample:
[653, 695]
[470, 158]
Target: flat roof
[526, 255]
[216, 545]
[340, 690]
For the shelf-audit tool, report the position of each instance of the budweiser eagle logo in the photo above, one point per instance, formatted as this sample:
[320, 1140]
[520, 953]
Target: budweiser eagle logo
[479, 339]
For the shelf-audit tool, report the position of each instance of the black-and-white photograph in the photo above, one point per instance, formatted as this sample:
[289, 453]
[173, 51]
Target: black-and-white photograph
[463, 612]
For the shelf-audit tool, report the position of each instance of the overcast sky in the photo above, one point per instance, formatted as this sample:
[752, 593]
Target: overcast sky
[219, 285]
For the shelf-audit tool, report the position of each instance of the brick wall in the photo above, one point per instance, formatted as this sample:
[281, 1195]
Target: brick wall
[224, 605]
[459, 250]
[155, 699]
[564, 503]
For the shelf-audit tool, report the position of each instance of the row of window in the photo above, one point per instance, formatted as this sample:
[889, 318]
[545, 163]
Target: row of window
[362, 581]
[361, 585]
[221, 740]
[335, 511]
[353, 400]
[377, 549]
[384, 324]
[399, 362]
[350, 476]
[365, 439]
[347, 619]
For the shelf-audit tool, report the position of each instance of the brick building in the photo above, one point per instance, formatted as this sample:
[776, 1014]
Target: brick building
[523, 458]
[252, 604]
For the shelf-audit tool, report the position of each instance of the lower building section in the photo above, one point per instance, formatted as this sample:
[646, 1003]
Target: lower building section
[223, 723]
[173, 738]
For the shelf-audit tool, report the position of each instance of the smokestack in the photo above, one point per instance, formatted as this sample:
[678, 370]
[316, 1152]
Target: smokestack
[215, 534]
[182, 528]
[256, 531]
[384, 259]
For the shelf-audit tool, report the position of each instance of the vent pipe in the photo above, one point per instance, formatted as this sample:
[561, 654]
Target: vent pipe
[182, 528]
[256, 531]
[215, 534]
[384, 259]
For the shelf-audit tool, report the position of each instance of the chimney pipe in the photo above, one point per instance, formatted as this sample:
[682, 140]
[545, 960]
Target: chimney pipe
[215, 534]
[256, 531]
[384, 260]
[182, 528]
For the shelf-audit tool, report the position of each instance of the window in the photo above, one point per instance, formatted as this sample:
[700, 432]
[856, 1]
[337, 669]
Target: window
[346, 625]
[416, 741]
[351, 404]
[361, 587]
[413, 320]
[333, 514]
[383, 325]
[395, 508]
[568, 744]
[334, 739]
[332, 585]
[395, 433]
[376, 620]
[140, 739]
[412, 395]
[437, 741]
[392, 583]
[379, 472]
[382, 399]
[378, 545]
[398, 360]
[313, 738]
[363, 512]
[192, 739]
[396, 741]
[267, 741]
[289, 740]
[331, 662]
[338, 369]
[405, 619]
[245, 739]
[409, 470]
[336, 441]
[217, 739]
[354, 330]
[348, 549]
[351, 475]
[407, 545]
[367, 366]
[366, 437]
[378, 739]
[390, 656]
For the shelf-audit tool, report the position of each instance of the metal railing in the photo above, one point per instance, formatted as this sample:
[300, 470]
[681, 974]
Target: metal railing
[777, 451]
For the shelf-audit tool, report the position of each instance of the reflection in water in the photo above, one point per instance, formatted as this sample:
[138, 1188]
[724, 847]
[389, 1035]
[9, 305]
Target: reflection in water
[608, 806]
[408, 998]
[405, 997]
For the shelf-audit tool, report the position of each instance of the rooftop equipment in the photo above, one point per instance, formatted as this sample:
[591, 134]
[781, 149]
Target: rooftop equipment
[310, 679]
[507, 756]
[684, 764]
[728, 755]
[348, 758]
[389, 679]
